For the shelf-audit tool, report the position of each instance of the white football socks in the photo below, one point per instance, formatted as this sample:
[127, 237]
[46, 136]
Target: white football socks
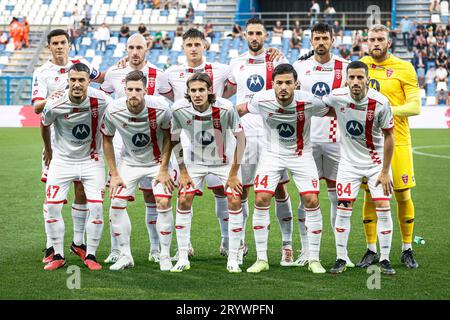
[384, 230]
[261, 225]
[151, 217]
[314, 227]
[283, 211]
[222, 215]
[80, 213]
[164, 227]
[55, 226]
[235, 232]
[302, 227]
[121, 225]
[342, 231]
[94, 226]
[183, 231]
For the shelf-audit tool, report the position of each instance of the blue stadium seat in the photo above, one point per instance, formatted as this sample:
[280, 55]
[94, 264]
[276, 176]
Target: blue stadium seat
[2, 66]
[9, 7]
[165, 13]
[348, 33]
[67, 14]
[431, 89]
[200, 13]
[107, 1]
[126, 20]
[47, 2]
[354, 58]
[171, 34]
[111, 13]
[140, 6]
[236, 43]
[430, 63]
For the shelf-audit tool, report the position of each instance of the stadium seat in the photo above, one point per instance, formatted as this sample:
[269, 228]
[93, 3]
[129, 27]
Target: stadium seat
[90, 53]
[287, 34]
[214, 47]
[163, 59]
[181, 59]
[347, 40]
[276, 41]
[431, 100]
[233, 53]
[435, 18]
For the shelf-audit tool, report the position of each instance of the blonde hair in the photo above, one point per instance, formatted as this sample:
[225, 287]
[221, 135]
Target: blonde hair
[378, 28]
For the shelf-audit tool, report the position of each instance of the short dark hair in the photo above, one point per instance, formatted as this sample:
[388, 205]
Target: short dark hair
[200, 77]
[57, 32]
[80, 67]
[322, 28]
[255, 21]
[284, 68]
[193, 33]
[358, 65]
[136, 75]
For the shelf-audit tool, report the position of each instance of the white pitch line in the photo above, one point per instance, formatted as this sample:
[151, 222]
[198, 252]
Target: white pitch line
[431, 154]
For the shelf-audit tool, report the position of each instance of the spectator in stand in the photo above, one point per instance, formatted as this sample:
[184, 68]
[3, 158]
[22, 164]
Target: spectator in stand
[277, 30]
[209, 30]
[435, 6]
[180, 29]
[420, 41]
[297, 29]
[420, 60]
[157, 41]
[431, 54]
[296, 41]
[124, 31]
[345, 52]
[405, 26]
[337, 27]
[73, 37]
[430, 76]
[338, 40]
[314, 13]
[447, 64]
[87, 14]
[364, 43]
[142, 29]
[441, 97]
[441, 58]
[26, 32]
[441, 79]
[392, 34]
[190, 13]
[103, 35]
[237, 31]
[82, 31]
[16, 33]
[329, 13]
[156, 4]
[166, 42]
[431, 41]
[3, 38]
[447, 28]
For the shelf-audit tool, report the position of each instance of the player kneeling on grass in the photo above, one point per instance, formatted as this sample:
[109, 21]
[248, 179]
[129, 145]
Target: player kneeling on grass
[75, 155]
[209, 124]
[365, 119]
[286, 114]
[143, 123]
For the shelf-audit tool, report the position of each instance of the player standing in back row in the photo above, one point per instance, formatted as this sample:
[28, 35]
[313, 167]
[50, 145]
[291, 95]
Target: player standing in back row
[320, 74]
[365, 120]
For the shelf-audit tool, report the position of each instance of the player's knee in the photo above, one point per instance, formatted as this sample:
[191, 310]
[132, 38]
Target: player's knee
[382, 204]
[185, 202]
[220, 192]
[281, 192]
[344, 204]
[80, 196]
[234, 203]
[311, 201]
[163, 203]
[262, 199]
[402, 195]
[149, 197]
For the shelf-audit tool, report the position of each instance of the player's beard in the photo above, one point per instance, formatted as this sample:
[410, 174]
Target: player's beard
[378, 54]
[135, 106]
[324, 51]
[258, 47]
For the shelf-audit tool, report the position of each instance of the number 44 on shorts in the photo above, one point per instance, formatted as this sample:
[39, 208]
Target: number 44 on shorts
[262, 182]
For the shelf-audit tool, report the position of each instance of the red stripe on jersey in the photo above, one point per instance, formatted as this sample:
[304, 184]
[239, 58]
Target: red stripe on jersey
[218, 133]
[300, 126]
[153, 126]
[209, 72]
[370, 116]
[269, 71]
[151, 81]
[337, 74]
[94, 125]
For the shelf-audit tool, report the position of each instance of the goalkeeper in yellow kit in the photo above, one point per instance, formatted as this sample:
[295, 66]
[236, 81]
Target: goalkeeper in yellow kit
[397, 80]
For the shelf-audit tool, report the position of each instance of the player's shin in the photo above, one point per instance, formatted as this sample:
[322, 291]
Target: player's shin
[245, 211]
[405, 215]
[183, 231]
[150, 221]
[49, 239]
[333, 205]
[55, 226]
[283, 211]
[222, 215]
[370, 222]
[94, 227]
[314, 228]
[164, 226]
[384, 227]
[121, 225]
[261, 225]
[342, 230]
[79, 216]
[301, 214]
[235, 233]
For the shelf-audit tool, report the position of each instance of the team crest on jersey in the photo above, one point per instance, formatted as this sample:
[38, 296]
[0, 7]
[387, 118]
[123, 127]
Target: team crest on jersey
[255, 83]
[285, 130]
[315, 183]
[242, 67]
[301, 115]
[189, 122]
[338, 74]
[389, 72]
[56, 79]
[320, 89]
[81, 131]
[181, 75]
[405, 178]
[354, 128]
[370, 115]
[125, 125]
[94, 113]
[153, 124]
[35, 92]
[140, 140]
[216, 123]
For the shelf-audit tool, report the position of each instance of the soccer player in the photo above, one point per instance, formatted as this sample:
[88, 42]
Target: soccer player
[286, 113]
[74, 155]
[320, 74]
[365, 120]
[48, 79]
[252, 72]
[209, 123]
[114, 83]
[397, 80]
[146, 140]
[174, 88]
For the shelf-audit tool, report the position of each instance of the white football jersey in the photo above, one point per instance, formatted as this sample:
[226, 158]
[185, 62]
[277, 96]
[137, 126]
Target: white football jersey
[50, 77]
[115, 80]
[177, 75]
[287, 129]
[142, 133]
[362, 124]
[210, 133]
[252, 74]
[76, 126]
[320, 80]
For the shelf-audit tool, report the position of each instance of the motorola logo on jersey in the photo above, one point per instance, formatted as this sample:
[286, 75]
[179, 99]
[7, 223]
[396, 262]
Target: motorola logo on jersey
[140, 140]
[81, 131]
[320, 89]
[285, 130]
[354, 128]
[255, 83]
[204, 137]
[374, 84]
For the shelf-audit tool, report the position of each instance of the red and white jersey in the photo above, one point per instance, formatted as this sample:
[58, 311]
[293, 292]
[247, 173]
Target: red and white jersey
[210, 133]
[115, 79]
[362, 124]
[76, 126]
[50, 77]
[320, 80]
[142, 133]
[252, 74]
[177, 75]
[287, 129]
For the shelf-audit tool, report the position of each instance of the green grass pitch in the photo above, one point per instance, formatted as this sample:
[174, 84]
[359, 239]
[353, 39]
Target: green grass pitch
[22, 239]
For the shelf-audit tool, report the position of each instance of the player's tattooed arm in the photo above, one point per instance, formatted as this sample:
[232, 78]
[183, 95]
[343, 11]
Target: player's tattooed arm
[242, 109]
[385, 178]
[163, 175]
[230, 90]
[233, 181]
[306, 56]
[116, 181]
[45, 133]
